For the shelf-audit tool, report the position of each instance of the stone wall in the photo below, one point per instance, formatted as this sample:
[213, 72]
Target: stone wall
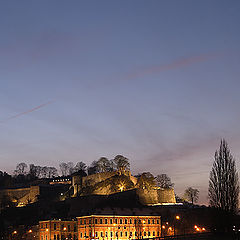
[81, 182]
[14, 194]
[21, 196]
[156, 196]
[146, 197]
[166, 196]
[96, 178]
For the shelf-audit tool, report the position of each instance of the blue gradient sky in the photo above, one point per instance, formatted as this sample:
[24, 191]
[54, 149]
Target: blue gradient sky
[156, 81]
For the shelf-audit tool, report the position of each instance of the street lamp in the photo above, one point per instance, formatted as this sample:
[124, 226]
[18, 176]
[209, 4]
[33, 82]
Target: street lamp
[177, 218]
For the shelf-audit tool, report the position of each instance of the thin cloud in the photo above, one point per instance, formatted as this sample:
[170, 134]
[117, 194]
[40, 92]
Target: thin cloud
[185, 61]
[28, 111]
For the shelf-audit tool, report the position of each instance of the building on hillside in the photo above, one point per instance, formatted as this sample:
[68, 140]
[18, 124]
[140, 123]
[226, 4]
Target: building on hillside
[61, 180]
[58, 230]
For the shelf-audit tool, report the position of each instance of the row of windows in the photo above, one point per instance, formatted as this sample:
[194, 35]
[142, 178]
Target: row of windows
[121, 221]
[63, 228]
[126, 234]
[57, 237]
[61, 180]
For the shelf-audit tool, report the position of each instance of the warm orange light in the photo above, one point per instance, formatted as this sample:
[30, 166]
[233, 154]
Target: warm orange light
[30, 231]
[47, 230]
[170, 228]
[166, 223]
[177, 217]
[203, 229]
[163, 227]
[15, 232]
[197, 229]
[64, 228]
[195, 226]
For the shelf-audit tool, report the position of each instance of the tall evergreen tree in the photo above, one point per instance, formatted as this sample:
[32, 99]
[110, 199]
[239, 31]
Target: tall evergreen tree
[223, 188]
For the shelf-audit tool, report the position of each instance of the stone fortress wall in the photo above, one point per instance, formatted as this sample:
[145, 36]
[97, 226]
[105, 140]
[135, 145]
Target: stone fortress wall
[21, 196]
[146, 197]
[156, 196]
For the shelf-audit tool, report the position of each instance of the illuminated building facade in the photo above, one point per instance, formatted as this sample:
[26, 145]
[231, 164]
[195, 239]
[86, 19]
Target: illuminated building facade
[58, 230]
[101, 227]
[104, 227]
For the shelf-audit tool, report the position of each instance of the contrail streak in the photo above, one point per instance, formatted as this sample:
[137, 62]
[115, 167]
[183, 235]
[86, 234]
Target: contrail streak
[173, 65]
[28, 111]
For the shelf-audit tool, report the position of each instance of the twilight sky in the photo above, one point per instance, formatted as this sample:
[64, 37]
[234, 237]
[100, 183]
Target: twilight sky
[155, 81]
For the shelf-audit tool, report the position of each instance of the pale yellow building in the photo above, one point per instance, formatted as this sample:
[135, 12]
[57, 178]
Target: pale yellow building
[105, 227]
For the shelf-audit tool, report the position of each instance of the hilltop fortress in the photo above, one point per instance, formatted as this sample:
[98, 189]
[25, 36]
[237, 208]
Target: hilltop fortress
[107, 183]
[104, 183]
